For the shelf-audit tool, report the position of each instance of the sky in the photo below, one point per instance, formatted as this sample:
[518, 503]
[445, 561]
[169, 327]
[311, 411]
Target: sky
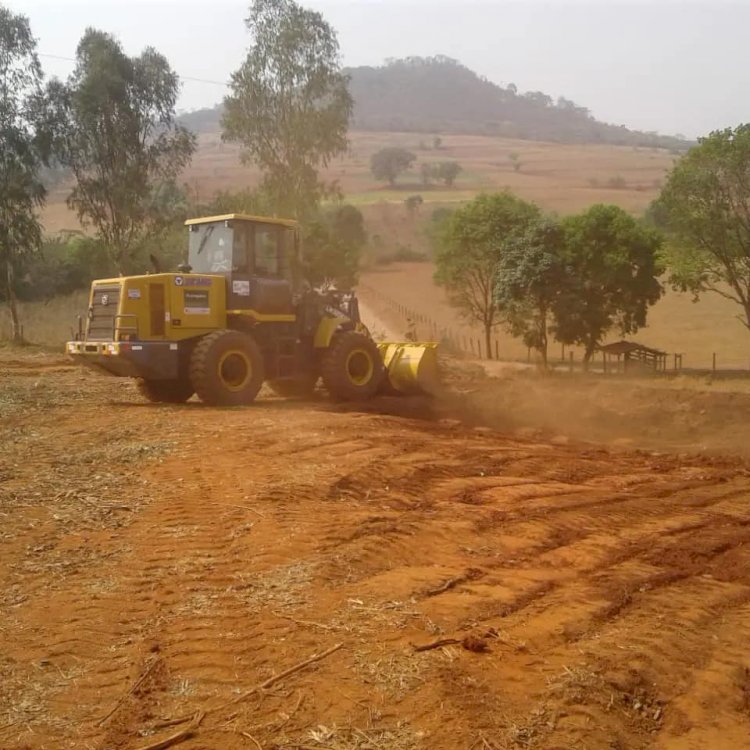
[665, 65]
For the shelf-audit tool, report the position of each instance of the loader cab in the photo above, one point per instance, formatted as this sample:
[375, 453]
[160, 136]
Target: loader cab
[259, 257]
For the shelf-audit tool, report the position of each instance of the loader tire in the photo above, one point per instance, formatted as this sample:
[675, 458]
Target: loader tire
[176, 391]
[352, 368]
[226, 368]
[302, 387]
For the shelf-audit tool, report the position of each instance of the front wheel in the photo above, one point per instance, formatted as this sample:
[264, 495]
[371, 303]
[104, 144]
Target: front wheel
[175, 391]
[352, 368]
[226, 368]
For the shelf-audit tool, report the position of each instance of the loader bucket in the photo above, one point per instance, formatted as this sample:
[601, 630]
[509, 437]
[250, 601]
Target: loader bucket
[412, 367]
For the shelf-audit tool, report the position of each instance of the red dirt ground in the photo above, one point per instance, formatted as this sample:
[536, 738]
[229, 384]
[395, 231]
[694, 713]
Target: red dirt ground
[161, 561]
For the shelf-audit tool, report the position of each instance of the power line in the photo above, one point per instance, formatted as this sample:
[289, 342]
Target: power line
[202, 80]
[182, 78]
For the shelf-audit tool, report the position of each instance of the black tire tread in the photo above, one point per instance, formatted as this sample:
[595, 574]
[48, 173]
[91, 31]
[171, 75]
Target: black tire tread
[165, 391]
[332, 370]
[201, 376]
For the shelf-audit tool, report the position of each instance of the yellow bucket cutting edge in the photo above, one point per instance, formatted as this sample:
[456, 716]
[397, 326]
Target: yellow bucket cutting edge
[412, 367]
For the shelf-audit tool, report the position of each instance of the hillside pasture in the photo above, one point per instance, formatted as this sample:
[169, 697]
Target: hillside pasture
[676, 324]
[560, 177]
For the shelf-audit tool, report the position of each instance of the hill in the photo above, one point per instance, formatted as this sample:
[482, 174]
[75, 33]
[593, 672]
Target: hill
[440, 95]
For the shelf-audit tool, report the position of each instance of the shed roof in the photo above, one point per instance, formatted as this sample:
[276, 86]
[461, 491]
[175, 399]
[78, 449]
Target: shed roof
[628, 347]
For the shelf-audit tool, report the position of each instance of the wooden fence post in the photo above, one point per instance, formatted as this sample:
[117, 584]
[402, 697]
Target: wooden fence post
[571, 361]
[713, 365]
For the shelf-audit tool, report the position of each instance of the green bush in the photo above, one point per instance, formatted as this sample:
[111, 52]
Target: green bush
[618, 182]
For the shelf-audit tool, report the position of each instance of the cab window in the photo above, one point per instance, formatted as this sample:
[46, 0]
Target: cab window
[241, 253]
[267, 251]
[220, 257]
[210, 248]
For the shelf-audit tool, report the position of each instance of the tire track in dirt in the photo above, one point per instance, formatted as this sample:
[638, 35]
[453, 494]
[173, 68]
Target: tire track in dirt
[611, 588]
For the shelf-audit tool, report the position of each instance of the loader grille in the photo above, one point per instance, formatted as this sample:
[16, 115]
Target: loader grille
[104, 308]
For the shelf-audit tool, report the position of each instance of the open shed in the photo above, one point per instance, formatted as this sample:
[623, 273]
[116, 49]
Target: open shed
[631, 354]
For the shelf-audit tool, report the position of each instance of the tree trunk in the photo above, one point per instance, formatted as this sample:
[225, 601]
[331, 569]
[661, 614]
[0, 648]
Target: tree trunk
[588, 354]
[543, 349]
[488, 340]
[15, 323]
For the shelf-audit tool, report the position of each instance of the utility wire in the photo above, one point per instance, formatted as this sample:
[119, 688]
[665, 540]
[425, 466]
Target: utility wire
[183, 78]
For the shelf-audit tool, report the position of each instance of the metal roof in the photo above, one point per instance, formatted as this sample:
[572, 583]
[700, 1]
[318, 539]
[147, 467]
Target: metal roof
[243, 217]
[625, 347]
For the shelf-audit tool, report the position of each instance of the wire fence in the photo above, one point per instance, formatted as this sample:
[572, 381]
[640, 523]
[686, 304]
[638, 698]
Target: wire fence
[420, 326]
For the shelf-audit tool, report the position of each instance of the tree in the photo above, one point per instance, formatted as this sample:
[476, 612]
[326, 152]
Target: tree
[120, 139]
[448, 171]
[614, 270]
[539, 98]
[246, 201]
[531, 275]
[347, 223]
[412, 203]
[469, 245]
[290, 104]
[333, 245]
[428, 172]
[705, 206]
[21, 156]
[514, 157]
[389, 163]
[437, 143]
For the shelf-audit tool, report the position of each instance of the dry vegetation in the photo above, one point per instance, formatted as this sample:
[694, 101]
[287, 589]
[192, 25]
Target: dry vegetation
[676, 324]
[48, 323]
[562, 178]
[559, 177]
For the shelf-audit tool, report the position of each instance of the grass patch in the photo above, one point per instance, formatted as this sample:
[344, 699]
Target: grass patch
[395, 673]
[282, 587]
[399, 737]
[47, 323]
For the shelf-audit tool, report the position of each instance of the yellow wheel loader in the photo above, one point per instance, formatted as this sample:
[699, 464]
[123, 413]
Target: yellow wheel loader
[239, 314]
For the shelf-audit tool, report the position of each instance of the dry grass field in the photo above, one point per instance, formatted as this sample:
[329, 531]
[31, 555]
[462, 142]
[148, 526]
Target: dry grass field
[676, 323]
[559, 177]
[562, 178]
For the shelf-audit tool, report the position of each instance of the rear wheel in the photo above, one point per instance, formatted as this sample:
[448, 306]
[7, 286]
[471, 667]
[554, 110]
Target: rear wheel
[175, 391]
[226, 368]
[352, 368]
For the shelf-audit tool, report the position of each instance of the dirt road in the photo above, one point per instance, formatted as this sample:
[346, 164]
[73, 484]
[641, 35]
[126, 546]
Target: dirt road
[157, 562]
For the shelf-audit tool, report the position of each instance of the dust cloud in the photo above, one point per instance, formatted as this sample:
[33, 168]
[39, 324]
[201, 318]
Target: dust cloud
[682, 414]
